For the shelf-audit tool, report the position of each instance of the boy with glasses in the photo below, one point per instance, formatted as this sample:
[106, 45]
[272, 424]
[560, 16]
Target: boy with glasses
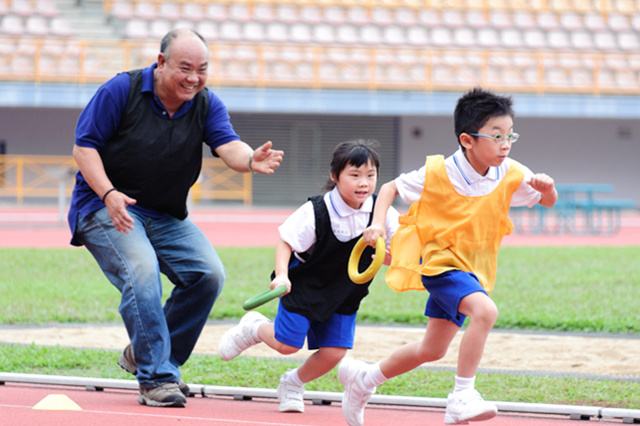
[448, 244]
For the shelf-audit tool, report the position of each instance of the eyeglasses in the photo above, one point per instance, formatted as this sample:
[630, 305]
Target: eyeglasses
[499, 139]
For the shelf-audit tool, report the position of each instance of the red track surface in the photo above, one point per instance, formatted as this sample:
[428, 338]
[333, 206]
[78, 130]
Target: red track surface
[112, 407]
[40, 228]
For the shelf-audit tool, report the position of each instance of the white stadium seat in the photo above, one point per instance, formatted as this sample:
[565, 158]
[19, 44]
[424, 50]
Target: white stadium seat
[558, 39]
[347, 34]
[417, 35]
[581, 40]
[253, 31]
[300, 33]
[37, 25]
[488, 37]
[629, 41]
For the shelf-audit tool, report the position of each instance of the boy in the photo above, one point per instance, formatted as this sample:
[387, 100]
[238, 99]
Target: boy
[448, 244]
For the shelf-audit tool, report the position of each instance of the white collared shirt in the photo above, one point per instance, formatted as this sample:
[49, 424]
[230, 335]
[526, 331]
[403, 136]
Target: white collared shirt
[299, 229]
[467, 181]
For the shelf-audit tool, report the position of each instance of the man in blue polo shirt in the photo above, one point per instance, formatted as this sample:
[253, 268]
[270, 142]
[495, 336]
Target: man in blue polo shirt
[139, 150]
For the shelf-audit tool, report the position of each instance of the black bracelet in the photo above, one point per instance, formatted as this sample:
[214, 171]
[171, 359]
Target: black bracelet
[104, 197]
[251, 163]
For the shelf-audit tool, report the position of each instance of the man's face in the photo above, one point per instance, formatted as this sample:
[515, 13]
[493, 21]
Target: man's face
[183, 70]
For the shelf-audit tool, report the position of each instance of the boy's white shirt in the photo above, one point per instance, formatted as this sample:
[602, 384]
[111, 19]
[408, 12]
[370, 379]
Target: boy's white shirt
[299, 229]
[467, 181]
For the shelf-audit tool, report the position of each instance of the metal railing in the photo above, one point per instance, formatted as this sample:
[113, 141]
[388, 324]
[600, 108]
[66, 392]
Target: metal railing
[574, 412]
[37, 177]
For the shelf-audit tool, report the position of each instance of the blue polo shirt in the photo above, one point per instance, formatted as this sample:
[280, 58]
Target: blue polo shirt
[99, 122]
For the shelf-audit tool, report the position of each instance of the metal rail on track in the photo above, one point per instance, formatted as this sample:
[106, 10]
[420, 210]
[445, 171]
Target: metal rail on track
[576, 412]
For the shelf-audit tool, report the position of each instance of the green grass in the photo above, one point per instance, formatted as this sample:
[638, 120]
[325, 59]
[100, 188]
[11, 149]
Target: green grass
[573, 289]
[265, 373]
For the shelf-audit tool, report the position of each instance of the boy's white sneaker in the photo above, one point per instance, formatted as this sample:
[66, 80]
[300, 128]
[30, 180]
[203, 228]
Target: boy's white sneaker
[468, 406]
[242, 336]
[290, 397]
[351, 374]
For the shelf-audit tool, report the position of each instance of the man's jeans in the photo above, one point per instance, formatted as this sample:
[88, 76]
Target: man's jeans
[162, 338]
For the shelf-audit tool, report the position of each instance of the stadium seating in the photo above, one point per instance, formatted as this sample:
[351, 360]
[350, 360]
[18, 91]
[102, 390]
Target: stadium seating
[582, 46]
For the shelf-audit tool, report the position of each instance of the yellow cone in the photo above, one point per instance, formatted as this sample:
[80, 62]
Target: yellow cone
[56, 401]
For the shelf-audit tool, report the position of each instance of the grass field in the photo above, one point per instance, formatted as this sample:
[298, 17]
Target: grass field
[573, 289]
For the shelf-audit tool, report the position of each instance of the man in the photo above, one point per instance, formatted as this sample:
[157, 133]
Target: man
[139, 150]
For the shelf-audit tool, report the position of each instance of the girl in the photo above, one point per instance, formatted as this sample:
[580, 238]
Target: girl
[311, 261]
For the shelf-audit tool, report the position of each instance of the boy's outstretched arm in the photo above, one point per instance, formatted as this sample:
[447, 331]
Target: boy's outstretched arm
[386, 197]
[283, 254]
[546, 186]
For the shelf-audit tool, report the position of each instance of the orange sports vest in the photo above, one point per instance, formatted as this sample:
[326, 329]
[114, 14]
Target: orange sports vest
[444, 230]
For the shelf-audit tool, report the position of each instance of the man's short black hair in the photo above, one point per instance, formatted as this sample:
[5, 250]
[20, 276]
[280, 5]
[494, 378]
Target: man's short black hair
[172, 35]
[476, 107]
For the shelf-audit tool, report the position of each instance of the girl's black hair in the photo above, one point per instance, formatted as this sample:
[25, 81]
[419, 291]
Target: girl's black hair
[352, 153]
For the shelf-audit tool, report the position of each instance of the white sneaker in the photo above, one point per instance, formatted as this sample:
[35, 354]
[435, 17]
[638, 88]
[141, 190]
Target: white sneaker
[467, 405]
[290, 396]
[351, 374]
[241, 337]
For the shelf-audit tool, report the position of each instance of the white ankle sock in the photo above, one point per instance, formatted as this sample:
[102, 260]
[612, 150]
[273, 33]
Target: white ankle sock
[293, 378]
[254, 330]
[374, 377]
[464, 383]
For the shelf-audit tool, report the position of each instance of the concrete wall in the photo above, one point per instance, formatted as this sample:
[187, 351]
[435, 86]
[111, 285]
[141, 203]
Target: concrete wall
[569, 150]
[38, 131]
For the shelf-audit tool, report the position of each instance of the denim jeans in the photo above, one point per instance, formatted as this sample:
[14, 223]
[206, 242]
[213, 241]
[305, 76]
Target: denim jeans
[162, 337]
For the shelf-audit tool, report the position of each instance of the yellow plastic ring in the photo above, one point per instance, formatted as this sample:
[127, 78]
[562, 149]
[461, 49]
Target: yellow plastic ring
[354, 261]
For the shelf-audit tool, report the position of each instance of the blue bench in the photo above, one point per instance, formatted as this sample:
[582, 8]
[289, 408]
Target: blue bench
[607, 214]
[577, 211]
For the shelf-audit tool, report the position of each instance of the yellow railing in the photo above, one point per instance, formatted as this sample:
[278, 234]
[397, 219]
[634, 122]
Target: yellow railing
[49, 177]
[338, 67]
[218, 182]
[25, 176]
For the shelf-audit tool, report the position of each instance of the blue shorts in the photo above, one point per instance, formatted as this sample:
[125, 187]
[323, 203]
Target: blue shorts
[292, 328]
[446, 291]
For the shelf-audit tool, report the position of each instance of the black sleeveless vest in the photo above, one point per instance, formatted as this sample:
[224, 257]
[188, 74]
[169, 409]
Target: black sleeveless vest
[153, 159]
[321, 286]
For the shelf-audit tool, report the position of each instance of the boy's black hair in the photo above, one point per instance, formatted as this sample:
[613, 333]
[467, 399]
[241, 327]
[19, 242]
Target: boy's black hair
[355, 153]
[477, 106]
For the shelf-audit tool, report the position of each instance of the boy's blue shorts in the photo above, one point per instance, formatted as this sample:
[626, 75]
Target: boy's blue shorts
[446, 291]
[292, 328]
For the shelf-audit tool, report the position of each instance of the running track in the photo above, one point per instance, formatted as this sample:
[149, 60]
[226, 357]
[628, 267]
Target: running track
[252, 227]
[118, 407]
[40, 228]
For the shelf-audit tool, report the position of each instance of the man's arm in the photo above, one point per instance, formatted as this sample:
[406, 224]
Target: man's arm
[240, 157]
[92, 169]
